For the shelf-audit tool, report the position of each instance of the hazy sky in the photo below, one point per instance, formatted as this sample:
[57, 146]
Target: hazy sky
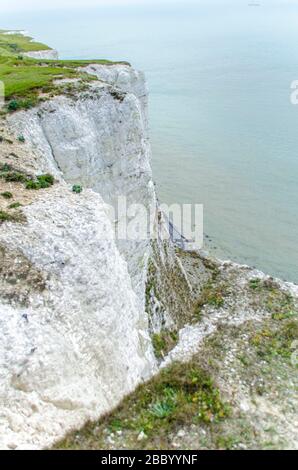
[19, 5]
[13, 5]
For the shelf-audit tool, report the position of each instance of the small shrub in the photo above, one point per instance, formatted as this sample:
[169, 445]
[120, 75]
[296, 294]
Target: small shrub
[21, 138]
[46, 180]
[7, 195]
[26, 103]
[77, 188]
[13, 105]
[30, 184]
[42, 182]
[117, 95]
[255, 284]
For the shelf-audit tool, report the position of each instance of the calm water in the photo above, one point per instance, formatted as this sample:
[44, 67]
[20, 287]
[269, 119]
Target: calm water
[223, 129]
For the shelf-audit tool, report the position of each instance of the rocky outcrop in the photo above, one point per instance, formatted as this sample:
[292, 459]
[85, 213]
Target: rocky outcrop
[71, 348]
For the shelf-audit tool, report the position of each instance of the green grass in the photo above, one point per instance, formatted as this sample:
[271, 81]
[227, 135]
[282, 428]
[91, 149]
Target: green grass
[268, 294]
[11, 175]
[271, 343]
[42, 182]
[23, 77]
[180, 395]
[212, 294]
[5, 217]
[77, 188]
[14, 205]
[14, 44]
[164, 342]
[81, 63]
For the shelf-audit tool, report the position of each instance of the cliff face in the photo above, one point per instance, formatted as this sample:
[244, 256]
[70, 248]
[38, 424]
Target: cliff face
[74, 344]
[99, 139]
[49, 54]
[73, 348]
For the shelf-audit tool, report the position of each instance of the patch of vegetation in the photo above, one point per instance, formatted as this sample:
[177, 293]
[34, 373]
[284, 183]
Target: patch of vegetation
[13, 105]
[272, 298]
[117, 95]
[13, 44]
[21, 138]
[24, 77]
[77, 188]
[212, 294]
[164, 342]
[11, 175]
[180, 395]
[6, 217]
[211, 266]
[14, 205]
[14, 177]
[42, 182]
[255, 284]
[273, 342]
[7, 195]
[226, 442]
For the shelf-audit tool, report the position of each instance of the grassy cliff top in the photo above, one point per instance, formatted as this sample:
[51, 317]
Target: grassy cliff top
[24, 78]
[16, 43]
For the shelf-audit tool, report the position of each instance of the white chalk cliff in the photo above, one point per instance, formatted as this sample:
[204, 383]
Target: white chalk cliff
[71, 349]
[46, 54]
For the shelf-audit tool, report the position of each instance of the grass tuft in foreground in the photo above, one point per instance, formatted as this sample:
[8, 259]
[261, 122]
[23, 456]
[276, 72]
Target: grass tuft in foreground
[181, 394]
